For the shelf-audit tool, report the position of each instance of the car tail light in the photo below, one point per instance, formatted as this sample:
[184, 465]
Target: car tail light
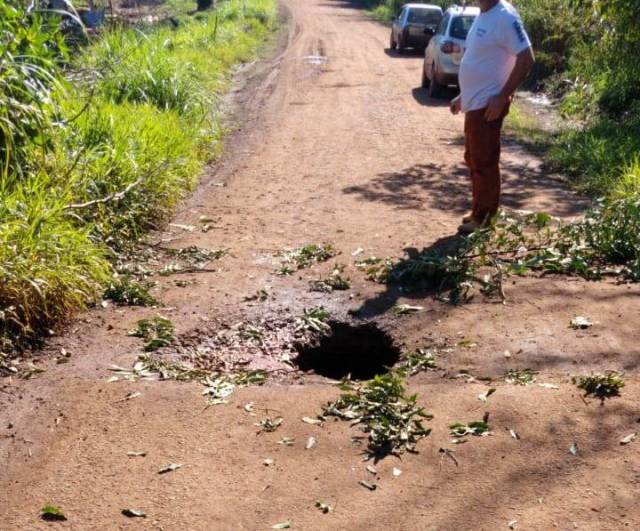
[450, 47]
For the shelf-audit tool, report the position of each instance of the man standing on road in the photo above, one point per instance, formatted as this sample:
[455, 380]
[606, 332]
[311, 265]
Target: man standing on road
[498, 57]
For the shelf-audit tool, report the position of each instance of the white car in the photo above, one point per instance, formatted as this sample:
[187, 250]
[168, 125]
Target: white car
[443, 54]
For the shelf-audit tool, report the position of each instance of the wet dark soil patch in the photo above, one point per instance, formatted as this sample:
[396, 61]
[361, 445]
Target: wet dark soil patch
[362, 351]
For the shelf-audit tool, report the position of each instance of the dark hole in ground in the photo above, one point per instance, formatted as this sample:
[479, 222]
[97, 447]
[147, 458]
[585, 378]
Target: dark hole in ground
[362, 351]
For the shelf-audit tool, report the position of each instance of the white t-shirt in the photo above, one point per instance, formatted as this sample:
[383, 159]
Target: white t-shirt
[494, 39]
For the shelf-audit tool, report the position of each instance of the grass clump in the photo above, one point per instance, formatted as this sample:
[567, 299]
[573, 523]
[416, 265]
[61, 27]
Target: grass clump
[49, 267]
[157, 332]
[601, 158]
[602, 386]
[129, 292]
[392, 420]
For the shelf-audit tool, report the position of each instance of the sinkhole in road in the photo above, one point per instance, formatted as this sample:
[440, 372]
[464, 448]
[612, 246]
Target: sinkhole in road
[362, 351]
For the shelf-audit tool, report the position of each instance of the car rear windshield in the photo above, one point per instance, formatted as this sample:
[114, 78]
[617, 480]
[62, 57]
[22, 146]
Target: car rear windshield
[460, 26]
[429, 17]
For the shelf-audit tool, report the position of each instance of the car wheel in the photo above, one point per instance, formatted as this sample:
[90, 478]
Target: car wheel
[392, 43]
[435, 88]
[399, 45]
[425, 79]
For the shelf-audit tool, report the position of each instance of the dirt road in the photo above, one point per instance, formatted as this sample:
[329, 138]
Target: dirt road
[335, 143]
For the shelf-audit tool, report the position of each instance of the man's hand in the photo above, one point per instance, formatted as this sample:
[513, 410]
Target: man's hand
[455, 106]
[495, 107]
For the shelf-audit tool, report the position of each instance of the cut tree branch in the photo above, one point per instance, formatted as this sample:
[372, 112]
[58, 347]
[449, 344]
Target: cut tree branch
[113, 197]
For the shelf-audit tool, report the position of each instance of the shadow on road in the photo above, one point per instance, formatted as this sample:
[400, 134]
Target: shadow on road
[404, 54]
[383, 302]
[420, 95]
[446, 187]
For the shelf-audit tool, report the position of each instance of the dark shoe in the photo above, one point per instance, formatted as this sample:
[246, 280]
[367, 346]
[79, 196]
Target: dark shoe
[469, 227]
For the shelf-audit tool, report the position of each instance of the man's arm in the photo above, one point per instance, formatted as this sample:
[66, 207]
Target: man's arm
[497, 103]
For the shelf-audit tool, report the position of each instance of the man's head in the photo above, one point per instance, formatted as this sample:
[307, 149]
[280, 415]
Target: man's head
[485, 5]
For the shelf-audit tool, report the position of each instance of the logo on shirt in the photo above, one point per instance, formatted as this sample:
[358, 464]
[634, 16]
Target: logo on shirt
[517, 25]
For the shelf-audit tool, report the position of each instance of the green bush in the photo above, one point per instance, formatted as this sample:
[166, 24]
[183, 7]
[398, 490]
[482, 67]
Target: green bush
[556, 28]
[105, 160]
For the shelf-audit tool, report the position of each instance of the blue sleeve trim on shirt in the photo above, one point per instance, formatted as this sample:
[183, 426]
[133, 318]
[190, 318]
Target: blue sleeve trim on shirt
[517, 25]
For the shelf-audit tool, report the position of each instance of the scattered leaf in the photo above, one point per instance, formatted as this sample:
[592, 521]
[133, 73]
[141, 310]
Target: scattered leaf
[513, 524]
[479, 428]
[306, 256]
[314, 320]
[134, 513]
[323, 507]
[467, 343]
[483, 396]
[136, 454]
[52, 513]
[393, 421]
[334, 282]
[249, 407]
[601, 386]
[131, 396]
[281, 525]
[268, 462]
[311, 443]
[157, 332]
[573, 449]
[520, 376]
[549, 386]
[309, 420]
[396, 472]
[371, 470]
[580, 323]
[419, 361]
[270, 425]
[367, 485]
[514, 434]
[629, 438]
[403, 309]
[170, 468]
[448, 453]
[287, 441]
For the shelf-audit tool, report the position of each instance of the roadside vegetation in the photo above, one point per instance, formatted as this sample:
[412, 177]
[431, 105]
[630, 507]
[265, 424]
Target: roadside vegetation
[98, 144]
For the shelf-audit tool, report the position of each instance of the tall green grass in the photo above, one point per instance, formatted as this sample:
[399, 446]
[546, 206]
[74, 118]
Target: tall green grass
[602, 158]
[141, 116]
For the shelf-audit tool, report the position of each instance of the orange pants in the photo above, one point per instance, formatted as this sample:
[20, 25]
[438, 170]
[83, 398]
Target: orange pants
[482, 156]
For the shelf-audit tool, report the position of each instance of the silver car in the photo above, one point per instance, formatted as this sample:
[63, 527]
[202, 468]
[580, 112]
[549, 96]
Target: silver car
[414, 26]
[443, 54]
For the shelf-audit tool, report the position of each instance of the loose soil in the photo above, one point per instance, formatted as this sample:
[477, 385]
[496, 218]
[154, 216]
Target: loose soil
[335, 142]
